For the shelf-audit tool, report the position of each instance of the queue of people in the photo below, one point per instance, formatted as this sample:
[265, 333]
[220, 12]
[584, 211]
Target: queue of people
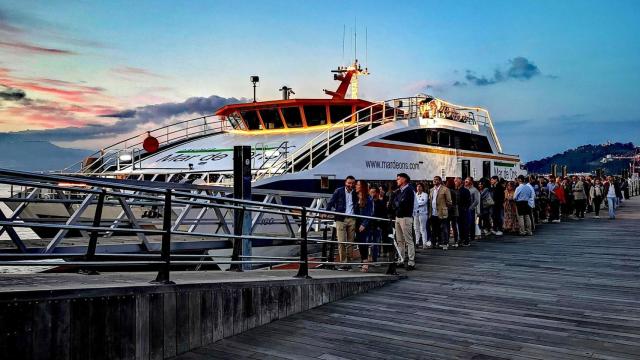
[455, 213]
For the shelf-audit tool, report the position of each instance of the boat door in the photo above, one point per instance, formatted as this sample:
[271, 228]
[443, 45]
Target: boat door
[466, 168]
[486, 169]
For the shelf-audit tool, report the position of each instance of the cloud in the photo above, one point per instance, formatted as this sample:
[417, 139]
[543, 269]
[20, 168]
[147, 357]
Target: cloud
[134, 72]
[519, 68]
[127, 121]
[65, 90]
[522, 69]
[21, 33]
[425, 86]
[479, 81]
[161, 112]
[11, 94]
[24, 47]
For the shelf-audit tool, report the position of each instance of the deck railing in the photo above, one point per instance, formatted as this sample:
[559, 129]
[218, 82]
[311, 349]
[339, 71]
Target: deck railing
[108, 158]
[99, 194]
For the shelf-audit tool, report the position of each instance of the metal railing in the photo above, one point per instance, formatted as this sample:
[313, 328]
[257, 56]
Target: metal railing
[98, 195]
[374, 114]
[108, 158]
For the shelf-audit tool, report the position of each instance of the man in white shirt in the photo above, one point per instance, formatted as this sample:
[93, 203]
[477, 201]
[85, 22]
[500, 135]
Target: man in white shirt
[420, 216]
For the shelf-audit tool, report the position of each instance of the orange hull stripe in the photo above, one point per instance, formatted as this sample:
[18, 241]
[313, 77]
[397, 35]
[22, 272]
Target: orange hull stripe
[438, 151]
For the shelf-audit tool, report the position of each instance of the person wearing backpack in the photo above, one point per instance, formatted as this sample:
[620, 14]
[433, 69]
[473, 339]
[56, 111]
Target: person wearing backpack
[523, 194]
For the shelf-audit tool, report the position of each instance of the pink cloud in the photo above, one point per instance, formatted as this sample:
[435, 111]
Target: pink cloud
[45, 115]
[128, 71]
[64, 90]
[78, 105]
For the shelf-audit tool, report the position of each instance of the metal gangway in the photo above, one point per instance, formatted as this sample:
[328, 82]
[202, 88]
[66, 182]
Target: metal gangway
[168, 234]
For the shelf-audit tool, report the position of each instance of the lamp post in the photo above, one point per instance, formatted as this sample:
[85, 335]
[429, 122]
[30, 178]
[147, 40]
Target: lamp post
[254, 79]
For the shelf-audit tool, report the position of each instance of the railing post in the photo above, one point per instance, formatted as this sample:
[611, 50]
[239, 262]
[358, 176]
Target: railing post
[391, 270]
[93, 237]
[384, 111]
[303, 270]
[165, 254]
[328, 143]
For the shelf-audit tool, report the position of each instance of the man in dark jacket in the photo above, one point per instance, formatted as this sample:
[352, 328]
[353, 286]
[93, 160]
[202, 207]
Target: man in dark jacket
[497, 193]
[403, 205]
[344, 200]
[464, 201]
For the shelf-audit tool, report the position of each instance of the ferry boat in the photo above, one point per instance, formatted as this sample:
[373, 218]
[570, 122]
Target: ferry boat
[309, 145]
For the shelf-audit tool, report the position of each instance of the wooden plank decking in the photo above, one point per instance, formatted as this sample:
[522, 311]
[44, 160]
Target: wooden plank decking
[570, 292]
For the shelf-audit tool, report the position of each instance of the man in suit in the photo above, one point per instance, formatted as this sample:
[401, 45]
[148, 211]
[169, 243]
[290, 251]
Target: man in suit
[403, 205]
[343, 201]
[439, 204]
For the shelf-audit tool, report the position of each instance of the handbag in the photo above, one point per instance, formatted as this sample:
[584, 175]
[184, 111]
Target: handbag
[487, 202]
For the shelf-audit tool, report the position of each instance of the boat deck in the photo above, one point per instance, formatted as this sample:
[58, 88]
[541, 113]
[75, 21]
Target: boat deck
[570, 292]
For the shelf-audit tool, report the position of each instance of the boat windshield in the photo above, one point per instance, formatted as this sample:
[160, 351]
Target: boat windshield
[235, 120]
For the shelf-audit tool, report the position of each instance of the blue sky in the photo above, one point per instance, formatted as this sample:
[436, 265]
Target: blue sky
[580, 83]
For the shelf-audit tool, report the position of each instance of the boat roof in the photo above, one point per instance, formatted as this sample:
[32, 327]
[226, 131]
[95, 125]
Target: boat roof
[229, 109]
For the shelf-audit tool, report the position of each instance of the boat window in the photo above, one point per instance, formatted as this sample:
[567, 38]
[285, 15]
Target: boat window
[339, 112]
[234, 120]
[316, 115]
[444, 139]
[271, 119]
[251, 118]
[292, 117]
[432, 137]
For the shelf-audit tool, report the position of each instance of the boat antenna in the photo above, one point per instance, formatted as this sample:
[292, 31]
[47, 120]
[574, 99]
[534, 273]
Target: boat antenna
[344, 30]
[366, 48]
[355, 38]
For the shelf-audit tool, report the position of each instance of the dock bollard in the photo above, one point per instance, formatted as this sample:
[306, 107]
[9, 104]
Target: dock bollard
[165, 253]
[303, 269]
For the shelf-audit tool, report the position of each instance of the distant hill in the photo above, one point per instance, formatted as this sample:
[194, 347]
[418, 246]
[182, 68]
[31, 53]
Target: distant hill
[18, 154]
[585, 158]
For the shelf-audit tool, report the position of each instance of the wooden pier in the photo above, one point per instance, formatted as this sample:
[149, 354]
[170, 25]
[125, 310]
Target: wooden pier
[123, 316]
[570, 292]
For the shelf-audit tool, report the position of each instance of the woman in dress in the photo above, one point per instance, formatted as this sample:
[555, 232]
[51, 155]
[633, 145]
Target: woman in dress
[364, 208]
[510, 209]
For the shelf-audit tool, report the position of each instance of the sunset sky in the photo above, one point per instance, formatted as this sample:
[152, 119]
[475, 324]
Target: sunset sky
[554, 74]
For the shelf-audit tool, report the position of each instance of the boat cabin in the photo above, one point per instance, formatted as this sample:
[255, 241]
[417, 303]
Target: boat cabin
[290, 114]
